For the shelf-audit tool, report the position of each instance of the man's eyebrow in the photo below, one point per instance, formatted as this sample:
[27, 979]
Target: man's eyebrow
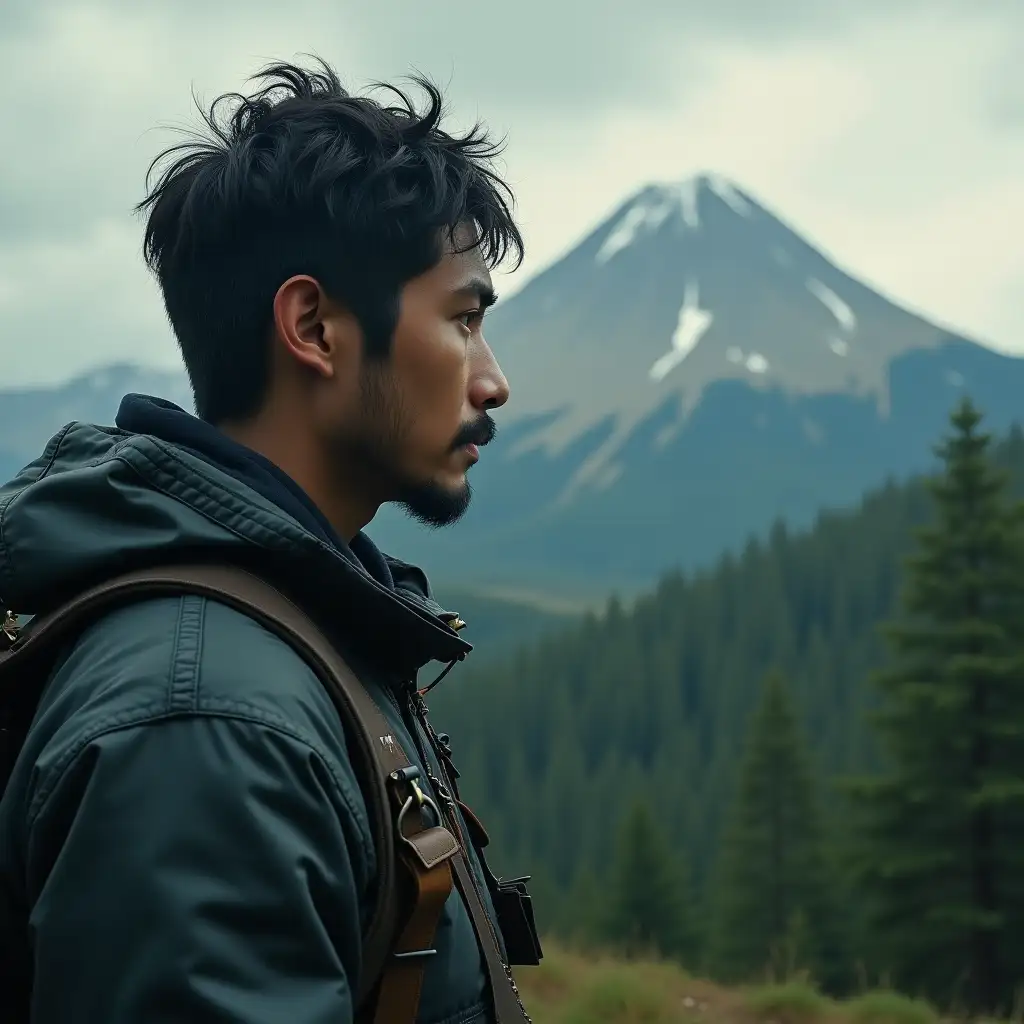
[480, 289]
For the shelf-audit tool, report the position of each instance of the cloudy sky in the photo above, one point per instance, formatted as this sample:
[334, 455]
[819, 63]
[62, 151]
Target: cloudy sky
[890, 132]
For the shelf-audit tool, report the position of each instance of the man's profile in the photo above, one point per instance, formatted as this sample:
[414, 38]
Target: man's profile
[183, 835]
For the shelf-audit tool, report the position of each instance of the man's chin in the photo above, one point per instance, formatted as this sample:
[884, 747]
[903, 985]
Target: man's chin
[435, 505]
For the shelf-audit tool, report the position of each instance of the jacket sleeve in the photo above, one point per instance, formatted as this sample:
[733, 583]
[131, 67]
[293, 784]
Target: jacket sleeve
[199, 868]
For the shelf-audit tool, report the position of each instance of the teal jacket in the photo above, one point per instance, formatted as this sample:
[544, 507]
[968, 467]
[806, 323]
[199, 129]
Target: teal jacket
[183, 838]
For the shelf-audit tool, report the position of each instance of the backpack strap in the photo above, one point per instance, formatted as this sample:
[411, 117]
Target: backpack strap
[389, 778]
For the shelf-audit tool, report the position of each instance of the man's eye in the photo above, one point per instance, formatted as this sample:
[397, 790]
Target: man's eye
[471, 318]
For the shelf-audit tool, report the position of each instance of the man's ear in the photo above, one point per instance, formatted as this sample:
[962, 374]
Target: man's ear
[314, 330]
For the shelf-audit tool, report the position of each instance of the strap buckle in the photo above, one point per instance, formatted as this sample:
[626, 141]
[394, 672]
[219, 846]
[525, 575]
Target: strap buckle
[9, 629]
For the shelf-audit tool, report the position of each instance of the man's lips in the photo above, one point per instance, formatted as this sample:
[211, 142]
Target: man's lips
[472, 451]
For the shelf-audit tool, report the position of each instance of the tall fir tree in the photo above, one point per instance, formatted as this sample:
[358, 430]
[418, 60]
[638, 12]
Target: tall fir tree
[774, 907]
[649, 908]
[941, 861]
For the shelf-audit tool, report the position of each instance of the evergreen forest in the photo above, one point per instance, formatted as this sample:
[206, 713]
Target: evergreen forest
[807, 759]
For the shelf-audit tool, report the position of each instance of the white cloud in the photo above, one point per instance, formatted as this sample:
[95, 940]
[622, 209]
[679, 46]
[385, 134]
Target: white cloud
[66, 305]
[891, 144]
[880, 147]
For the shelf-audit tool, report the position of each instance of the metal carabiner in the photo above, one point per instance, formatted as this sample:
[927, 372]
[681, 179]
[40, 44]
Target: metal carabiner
[417, 799]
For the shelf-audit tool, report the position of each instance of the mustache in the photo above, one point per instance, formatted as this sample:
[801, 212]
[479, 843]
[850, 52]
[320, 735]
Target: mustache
[480, 432]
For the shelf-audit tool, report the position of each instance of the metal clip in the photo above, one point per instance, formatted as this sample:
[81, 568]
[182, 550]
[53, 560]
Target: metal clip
[10, 627]
[414, 954]
[418, 793]
[418, 799]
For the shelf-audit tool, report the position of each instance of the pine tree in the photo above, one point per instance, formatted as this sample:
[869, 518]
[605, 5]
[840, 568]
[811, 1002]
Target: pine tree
[649, 904]
[941, 863]
[774, 907]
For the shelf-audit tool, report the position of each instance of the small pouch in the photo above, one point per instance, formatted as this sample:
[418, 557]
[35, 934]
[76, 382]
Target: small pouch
[514, 908]
[513, 904]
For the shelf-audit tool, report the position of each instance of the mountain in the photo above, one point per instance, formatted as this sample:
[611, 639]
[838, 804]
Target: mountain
[692, 370]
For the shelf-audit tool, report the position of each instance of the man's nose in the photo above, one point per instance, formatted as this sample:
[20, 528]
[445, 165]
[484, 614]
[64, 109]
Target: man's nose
[488, 387]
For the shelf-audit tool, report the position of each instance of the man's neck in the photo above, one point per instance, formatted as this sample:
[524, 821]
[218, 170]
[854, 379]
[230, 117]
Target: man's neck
[300, 459]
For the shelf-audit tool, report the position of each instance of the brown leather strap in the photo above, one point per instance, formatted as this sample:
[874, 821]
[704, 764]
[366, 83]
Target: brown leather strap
[402, 983]
[426, 856]
[389, 785]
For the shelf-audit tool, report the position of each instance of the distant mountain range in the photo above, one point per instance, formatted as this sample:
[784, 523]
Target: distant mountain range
[689, 372]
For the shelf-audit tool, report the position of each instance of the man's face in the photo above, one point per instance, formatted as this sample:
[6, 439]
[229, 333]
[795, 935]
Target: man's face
[423, 410]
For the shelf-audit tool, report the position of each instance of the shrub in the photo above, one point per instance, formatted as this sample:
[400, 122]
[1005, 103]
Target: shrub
[791, 1003]
[889, 1008]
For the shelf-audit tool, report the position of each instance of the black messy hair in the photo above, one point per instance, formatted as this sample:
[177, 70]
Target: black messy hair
[303, 178]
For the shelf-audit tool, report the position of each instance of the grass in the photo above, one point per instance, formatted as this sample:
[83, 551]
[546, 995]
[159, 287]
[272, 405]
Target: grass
[889, 1008]
[572, 988]
[586, 988]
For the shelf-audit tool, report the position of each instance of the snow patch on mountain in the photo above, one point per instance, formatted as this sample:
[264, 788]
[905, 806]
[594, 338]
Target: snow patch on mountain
[754, 362]
[657, 203]
[730, 195]
[644, 217]
[625, 233]
[692, 324]
[689, 202]
[836, 306]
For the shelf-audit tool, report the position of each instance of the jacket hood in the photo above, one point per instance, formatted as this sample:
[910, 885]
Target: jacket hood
[100, 501]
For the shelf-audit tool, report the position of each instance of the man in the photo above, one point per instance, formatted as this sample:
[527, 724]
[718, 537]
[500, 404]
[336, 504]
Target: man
[183, 832]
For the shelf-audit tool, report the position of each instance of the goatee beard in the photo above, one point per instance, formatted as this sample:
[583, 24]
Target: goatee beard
[433, 505]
